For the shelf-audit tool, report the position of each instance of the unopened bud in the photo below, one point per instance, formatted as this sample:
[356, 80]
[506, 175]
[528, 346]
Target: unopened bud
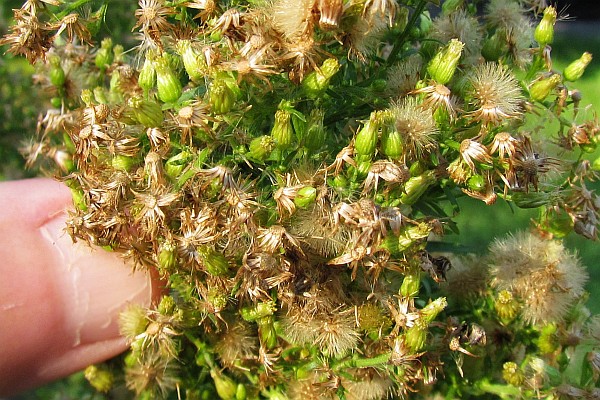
[226, 387]
[260, 148]
[493, 47]
[544, 32]
[215, 263]
[450, 6]
[100, 377]
[506, 306]
[167, 257]
[415, 337]
[57, 73]
[410, 285]
[104, 56]
[123, 163]
[575, 70]
[257, 311]
[431, 310]
[317, 81]
[305, 196]
[221, 97]
[193, 61]
[416, 186]
[266, 332]
[542, 87]
[391, 143]
[147, 76]
[168, 84]
[441, 68]
[283, 132]
[512, 374]
[146, 112]
[548, 341]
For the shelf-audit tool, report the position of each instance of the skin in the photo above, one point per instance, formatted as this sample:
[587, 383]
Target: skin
[59, 300]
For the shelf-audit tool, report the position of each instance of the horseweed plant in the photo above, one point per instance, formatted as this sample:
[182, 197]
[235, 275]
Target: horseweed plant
[283, 164]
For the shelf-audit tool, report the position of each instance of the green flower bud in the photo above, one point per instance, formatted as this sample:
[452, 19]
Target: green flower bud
[506, 306]
[283, 132]
[123, 163]
[260, 148]
[365, 142]
[548, 341]
[532, 199]
[410, 285]
[175, 165]
[317, 81]
[226, 387]
[104, 56]
[314, 138]
[266, 332]
[168, 84]
[57, 73]
[146, 112]
[217, 299]
[541, 88]
[431, 310]
[416, 186]
[391, 143]
[221, 97]
[305, 197]
[240, 393]
[257, 311]
[167, 257]
[544, 32]
[512, 374]
[441, 68]
[215, 263]
[493, 47]
[415, 337]
[575, 70]
[100, 377]
[193, 61]
[147, 76]
[412, 234]
[476, 183]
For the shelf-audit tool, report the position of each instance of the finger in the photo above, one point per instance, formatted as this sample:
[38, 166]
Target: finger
[59, 301]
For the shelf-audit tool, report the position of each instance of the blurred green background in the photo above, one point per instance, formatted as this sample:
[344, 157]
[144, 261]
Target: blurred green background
[479, 225]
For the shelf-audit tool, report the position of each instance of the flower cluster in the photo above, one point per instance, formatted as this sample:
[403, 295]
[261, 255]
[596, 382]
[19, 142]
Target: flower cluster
[283, 164]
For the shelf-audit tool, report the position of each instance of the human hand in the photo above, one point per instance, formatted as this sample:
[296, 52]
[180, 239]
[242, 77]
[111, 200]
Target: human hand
[59, 301]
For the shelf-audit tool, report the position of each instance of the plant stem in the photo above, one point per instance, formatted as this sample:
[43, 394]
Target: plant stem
[400, 41]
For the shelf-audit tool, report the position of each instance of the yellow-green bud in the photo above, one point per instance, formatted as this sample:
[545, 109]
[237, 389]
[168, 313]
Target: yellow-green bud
[541, 88]
[416, 186]
[240, 393]
[441, 68]
[226, 387]
[476, 183]
[548, 341]
[260, 148]
[167, 257]
[314, 137]
[410, 285]
[412, 234]
[168, 84]
[266, 332]
[317, 81]
[167, 305]
[283, 131]
[373, 320]
[221, 96]
[575, 70]
[431, 310]
[512, 374]
[215, 263]
[104, 56]
[175, 165]
[493, 47]
[391, 143]
[366, 138]
[193, 61]
[147, 76]
[506, 306]
[415, 337]
[544, 32]
[305, 197]
[217, 298]
[100, 377]
[123, 163]
[146, 112]
[257, 311]
[57, 73]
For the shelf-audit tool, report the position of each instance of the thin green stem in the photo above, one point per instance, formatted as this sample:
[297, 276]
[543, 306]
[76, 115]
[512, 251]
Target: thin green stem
[400, 41]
